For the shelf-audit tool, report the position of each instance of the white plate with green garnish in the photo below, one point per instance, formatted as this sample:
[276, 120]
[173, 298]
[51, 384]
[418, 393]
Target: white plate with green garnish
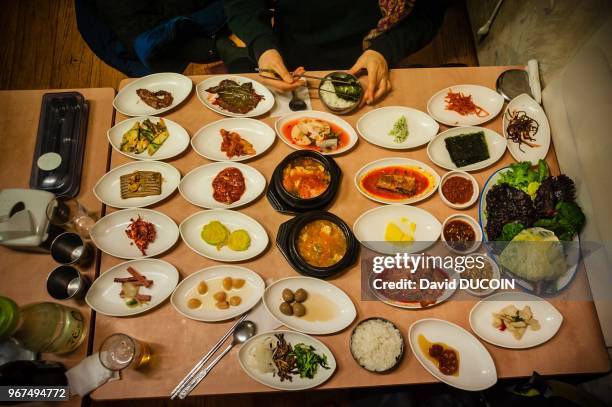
[397, 127]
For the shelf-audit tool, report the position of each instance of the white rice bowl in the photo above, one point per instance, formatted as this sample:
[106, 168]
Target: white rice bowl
[331, 99]
[377, 345]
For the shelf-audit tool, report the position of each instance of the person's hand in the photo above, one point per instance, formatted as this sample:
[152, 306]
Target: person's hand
[378, 82]
[272, 59]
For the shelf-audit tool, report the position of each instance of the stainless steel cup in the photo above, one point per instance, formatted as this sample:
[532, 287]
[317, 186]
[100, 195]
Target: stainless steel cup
[66, 282]
[69, 248]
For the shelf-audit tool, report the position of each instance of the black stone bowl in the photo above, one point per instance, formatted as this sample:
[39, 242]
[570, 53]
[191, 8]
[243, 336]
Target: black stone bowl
[285, 202]
[288, 234]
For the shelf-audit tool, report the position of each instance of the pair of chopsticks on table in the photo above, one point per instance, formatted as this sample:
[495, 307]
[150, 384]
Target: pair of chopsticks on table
[189, 382]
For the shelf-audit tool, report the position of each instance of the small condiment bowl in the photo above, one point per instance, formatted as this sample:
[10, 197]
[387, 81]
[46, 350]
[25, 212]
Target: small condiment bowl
[470, 221]
[340, 76]
[496, 275]
[463, 174]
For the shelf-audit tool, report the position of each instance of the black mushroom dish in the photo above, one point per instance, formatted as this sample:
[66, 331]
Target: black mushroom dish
[317, 244]
[304, 181]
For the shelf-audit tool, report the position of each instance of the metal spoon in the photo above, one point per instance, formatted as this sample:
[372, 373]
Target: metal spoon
[296, 104]
[242, 333]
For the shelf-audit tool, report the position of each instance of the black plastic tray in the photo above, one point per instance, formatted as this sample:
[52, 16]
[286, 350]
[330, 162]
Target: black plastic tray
[62, 129]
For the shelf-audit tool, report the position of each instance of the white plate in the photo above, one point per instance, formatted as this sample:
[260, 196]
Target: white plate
[370, 228]
[108, 188]
[476, 368]
[397, 161]
[314, 114]
[449, 290]
[438, 154]
[250, 293]
[484, 97]
[103, 295]
[339, 303]
[572, 251]
[128, 102]
[375, 125]
[175, 144]
[191, 229]
[496, 275]
[196, 186]
[207, 141]
[108, 234]
[262, 107]
[298, 383]
[549, 318]
[525, 103]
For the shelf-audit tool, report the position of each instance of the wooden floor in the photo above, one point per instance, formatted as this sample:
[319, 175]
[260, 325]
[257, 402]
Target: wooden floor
[41, 48]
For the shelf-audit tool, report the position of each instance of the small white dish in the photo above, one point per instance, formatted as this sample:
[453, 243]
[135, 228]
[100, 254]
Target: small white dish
[108, 234]
[263, 107]
[476, 367]
[129, 103]
[196, 186]
[433, 177]
[297, 383]
[315, 114]
[491, 101]
[175, 144]
[547, 315]
[103, 295]
[467, 176]
[496, 275]
[375, 126]
[470, 221]
[108, 188]
[207, 141]
[526, 104]
[328, 308]
[370, 228]
[250, 293]
[438, 154]
[191, 229]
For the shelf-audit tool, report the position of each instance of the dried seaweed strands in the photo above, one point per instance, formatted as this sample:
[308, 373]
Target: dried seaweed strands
[522, 129]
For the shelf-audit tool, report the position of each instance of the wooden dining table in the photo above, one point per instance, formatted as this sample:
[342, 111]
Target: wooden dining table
[179, 342]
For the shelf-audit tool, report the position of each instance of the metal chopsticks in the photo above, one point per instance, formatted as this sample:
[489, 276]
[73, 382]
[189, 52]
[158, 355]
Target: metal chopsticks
[194, 371]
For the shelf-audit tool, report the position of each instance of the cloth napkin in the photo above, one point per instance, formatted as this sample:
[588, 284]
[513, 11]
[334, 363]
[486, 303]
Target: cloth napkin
[281, 107]
[89, 375]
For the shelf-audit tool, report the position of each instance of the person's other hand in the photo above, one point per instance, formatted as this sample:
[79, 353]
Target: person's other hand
[272, 59]
[378, 82]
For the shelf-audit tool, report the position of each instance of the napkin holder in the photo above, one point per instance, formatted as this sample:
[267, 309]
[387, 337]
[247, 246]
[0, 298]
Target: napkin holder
[23, 219]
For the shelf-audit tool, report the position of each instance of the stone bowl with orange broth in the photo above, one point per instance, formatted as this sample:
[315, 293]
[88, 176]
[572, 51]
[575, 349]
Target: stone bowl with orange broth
[305, 180]
[317, 244]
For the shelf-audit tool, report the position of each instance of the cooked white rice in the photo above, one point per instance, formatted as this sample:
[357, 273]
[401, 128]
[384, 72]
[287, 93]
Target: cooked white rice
[331, 99]
[376, 344]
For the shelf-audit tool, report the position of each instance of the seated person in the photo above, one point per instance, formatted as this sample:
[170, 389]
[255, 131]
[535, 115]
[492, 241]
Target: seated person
[333, 34]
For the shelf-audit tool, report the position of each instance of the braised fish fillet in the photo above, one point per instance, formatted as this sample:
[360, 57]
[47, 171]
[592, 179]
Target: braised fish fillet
[140, 184]
[397, 183]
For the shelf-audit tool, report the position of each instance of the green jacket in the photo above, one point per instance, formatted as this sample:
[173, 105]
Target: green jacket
[328, 34]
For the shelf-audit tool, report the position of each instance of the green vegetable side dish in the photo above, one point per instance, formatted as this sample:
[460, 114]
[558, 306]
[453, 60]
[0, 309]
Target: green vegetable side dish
[510, 230]
[399, 132]
[217, 234]
[307, 361]
[144, 135]
[350, 91]
[522, 176]
[567, 223]
[466, 149]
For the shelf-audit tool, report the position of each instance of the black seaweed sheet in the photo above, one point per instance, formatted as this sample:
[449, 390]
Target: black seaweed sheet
[466, 149]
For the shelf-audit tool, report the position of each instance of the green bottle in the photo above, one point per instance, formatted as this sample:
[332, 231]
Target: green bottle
[44, 327]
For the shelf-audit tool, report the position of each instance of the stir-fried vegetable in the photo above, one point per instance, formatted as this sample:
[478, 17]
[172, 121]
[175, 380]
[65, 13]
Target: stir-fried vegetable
[307, 361]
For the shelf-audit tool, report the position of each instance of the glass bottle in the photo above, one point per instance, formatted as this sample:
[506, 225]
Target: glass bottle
[43, 326]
